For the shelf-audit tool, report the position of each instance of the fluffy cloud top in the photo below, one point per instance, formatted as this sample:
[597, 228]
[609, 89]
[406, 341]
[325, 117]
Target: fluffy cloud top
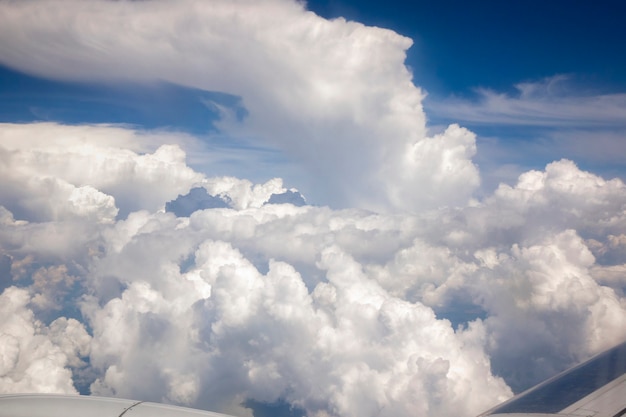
[336, 312]
[105, 161]
[34, 357]
[334, 96]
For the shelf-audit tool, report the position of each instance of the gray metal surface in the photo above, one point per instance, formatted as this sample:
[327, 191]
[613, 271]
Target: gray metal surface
[594, 388]
[51, 405]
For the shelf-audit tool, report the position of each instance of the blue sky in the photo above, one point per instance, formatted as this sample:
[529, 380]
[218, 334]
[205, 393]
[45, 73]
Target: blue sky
[461, 45]
[463, 56]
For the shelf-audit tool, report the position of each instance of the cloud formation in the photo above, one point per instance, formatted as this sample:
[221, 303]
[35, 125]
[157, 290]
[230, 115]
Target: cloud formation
[557, 117]
[411, 299]
[42, 185]
[35, 357]
[337, 312]
[551, 102]
[335, 96]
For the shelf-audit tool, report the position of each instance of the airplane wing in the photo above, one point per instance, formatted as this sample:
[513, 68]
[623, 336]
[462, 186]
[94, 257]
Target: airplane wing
[596, 388]
[55, 405]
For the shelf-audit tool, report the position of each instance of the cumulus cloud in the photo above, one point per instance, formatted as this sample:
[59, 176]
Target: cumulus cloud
[112, 168]
[346, 347]
[557, 117]
[336, 312]
[35, 357]
[335, 96]
[550, 286]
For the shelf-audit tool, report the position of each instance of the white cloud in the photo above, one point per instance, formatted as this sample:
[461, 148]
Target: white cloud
[339, 312]
[334, 96]
[33, 357]
[242, 193]
[106, 170]
[536, 293]
[552, 102]
[268, 337]
[558, 117]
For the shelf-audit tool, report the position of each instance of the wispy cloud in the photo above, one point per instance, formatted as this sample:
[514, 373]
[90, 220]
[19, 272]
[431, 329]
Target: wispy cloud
[553, 102]
[542, 121]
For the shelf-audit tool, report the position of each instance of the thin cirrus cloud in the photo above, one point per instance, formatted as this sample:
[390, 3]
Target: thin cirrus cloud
[553, 102]
[436, 305]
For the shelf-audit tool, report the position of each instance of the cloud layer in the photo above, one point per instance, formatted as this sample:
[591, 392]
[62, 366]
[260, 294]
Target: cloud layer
[337, 312]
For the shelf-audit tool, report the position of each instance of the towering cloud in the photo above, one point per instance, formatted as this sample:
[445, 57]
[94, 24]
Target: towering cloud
[333, 95]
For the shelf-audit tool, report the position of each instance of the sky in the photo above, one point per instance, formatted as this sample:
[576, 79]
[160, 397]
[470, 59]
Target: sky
[330, 208]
